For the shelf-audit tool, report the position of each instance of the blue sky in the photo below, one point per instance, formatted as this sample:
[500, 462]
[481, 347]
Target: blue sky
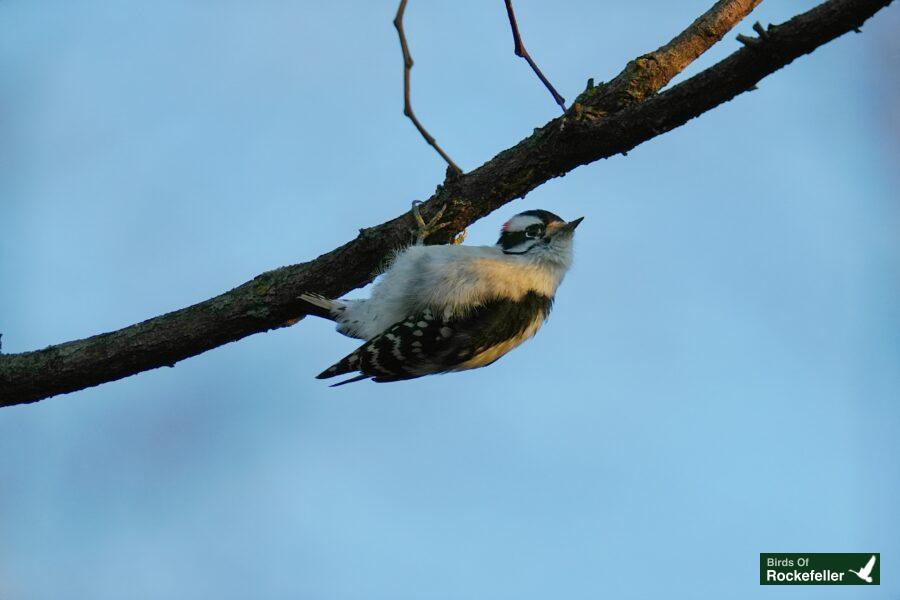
[719, 377]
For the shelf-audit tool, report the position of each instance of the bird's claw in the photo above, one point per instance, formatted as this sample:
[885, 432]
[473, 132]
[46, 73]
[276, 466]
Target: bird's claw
[425, 229]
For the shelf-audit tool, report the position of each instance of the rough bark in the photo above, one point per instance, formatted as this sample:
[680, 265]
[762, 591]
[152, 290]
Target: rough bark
[577, 138]
[648, 73]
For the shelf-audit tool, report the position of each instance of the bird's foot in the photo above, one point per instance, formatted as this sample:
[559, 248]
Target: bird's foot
[423, 228]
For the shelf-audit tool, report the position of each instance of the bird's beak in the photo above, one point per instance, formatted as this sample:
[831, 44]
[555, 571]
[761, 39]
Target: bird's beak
[570, 226]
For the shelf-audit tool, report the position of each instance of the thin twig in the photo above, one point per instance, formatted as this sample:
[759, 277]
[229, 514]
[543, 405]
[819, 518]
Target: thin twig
[407, 105]
[522, 52]
[760, 30]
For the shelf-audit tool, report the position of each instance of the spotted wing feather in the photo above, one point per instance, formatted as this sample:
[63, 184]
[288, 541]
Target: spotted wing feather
[429, 343]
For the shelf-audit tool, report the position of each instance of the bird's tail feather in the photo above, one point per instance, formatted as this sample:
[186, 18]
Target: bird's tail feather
[351, 380]
[348, 364]
[318, 305]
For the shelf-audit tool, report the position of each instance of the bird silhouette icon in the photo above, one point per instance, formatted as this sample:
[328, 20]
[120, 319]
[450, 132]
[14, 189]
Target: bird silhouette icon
[866, 572]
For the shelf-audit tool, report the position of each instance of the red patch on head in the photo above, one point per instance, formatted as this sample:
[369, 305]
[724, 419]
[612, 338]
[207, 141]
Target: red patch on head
[506, 226]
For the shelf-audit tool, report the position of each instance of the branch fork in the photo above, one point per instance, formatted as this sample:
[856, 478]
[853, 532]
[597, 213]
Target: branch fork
[754, 42]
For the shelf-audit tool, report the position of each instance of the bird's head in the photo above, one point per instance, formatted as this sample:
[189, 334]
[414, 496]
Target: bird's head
[539, 235]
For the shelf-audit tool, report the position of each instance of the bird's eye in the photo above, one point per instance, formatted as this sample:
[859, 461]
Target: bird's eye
[534, 231]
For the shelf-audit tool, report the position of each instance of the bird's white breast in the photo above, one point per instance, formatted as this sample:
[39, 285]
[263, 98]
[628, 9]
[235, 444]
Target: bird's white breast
[452, 280]
[455, 277]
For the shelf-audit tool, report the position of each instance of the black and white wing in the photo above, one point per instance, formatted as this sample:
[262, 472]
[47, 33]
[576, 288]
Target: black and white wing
[430, 342]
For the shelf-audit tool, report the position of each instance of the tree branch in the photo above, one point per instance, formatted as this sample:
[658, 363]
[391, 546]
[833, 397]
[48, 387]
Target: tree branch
[647, 74]
[407, 104]
[520, 51]
[270, 300]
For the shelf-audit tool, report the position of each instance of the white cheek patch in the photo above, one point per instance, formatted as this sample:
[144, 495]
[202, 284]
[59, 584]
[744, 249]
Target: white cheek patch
[520, 222]
[521, 248]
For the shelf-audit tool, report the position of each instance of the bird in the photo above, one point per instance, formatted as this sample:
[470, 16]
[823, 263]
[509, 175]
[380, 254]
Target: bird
[866, 572]
[446, 308]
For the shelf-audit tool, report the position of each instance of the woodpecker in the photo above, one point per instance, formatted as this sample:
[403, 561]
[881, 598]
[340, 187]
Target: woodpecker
[444, 308]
